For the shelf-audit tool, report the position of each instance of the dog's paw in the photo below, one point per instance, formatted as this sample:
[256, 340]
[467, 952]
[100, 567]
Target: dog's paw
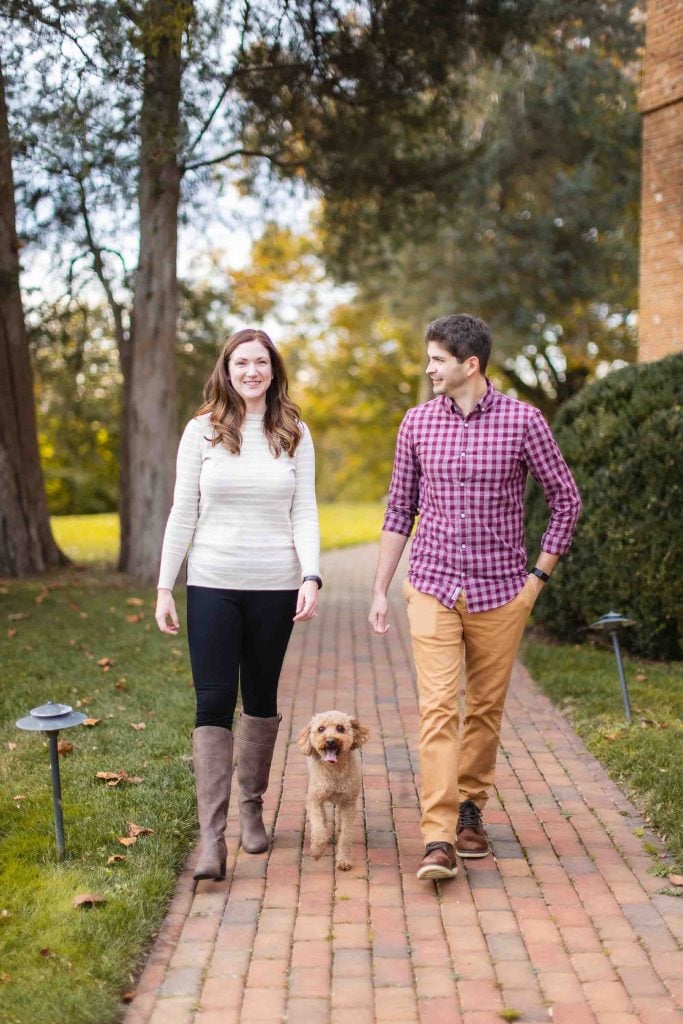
[343, 864]
[317, 850]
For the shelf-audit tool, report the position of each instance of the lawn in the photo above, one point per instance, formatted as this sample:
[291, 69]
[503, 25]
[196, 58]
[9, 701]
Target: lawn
[645, 759]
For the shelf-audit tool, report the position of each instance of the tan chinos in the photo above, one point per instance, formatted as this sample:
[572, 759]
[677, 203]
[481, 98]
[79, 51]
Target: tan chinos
[454, 769]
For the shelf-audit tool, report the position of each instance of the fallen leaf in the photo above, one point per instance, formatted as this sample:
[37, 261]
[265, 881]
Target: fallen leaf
[127, 997]
[5, 913]
[4, 978]
[610, 735]
[641, 677]
[83, 615]
[11, 745]
[18, 616]
[116, 858]
[105, 662]
[47, 953]
[136, 602]
[134, 618]
[139, 830]
[676, 879]
[18, 797]
[138, 726]
[127, 840]
[176, 652]
[64, 747]
[42, 595]
[92, 721]
[88, 899]
[11, 633]
[120, 684]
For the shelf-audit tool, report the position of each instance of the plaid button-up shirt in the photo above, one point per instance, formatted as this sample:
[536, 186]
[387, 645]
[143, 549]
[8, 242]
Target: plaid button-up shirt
[465, 476]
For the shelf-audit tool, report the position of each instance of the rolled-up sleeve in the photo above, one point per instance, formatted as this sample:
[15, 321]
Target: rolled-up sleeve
[305, 528]
[182, 520]
[404, 490]
[547, 466]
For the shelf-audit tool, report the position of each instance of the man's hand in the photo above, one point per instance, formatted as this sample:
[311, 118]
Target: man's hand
[379, 610]
[165, 610]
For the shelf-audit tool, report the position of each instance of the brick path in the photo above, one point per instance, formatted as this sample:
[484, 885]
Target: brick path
[564, 925]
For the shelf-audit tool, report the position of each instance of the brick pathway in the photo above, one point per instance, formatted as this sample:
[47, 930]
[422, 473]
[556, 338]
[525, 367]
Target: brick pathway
[565, 924]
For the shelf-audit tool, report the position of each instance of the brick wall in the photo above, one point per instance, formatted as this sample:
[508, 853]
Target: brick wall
[661, 247]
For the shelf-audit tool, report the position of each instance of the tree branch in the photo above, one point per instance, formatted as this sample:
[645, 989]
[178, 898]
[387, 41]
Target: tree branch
[98, 266]
[241, 152]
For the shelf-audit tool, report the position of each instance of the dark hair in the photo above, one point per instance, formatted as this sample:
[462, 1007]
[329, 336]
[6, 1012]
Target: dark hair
[281, 423]
[463, 336]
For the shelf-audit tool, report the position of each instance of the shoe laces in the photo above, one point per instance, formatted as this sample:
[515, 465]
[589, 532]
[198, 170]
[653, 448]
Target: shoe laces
[470, 815]
[438, 846]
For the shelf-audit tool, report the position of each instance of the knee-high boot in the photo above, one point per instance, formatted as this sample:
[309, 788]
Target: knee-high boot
[212, 757]
[254, 757]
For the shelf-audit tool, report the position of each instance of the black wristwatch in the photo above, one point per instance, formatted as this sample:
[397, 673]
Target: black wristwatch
[317, 580]
[541, 575]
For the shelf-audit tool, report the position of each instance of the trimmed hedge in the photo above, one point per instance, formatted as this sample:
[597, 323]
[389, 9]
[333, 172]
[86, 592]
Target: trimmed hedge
[623, 439]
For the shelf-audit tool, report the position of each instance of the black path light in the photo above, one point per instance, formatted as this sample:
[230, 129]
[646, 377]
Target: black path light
[50, 718]
[612, 623]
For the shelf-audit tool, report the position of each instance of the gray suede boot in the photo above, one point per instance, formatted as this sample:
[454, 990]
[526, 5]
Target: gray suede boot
[212, 757]
[254, 756]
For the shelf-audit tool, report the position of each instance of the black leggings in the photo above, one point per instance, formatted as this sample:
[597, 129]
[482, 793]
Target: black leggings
[237, 636]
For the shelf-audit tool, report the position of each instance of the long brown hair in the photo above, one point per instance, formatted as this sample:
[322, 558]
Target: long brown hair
[281, 423]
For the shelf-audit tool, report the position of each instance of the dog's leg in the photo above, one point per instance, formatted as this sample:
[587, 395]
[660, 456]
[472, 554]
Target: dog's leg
[347, 815]
[319, 828]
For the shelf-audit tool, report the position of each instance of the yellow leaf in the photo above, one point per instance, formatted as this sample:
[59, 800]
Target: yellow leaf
[138, 726]
[116, 858]
[92, 721]
[127, 840]
[105, 662]
[136, 602]
[11, 745]
[64, 747]
[134, 618]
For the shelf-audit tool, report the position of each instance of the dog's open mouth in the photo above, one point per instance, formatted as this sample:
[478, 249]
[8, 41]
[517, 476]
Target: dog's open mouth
[330, 754]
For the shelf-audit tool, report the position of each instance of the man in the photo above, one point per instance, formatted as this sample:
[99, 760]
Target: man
[461, 462]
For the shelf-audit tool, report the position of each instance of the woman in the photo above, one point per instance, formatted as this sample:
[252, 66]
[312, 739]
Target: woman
[244, 505]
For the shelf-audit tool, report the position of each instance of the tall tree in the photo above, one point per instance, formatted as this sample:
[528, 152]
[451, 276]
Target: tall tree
[26, 541]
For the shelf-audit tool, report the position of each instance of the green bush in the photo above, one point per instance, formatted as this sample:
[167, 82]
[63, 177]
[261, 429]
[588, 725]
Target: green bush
[623, 439]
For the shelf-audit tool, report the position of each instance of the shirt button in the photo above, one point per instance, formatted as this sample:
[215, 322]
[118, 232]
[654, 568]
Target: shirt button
[462, 483]
[467, 424]
[462, 455]
[463, 545]
[462, 515]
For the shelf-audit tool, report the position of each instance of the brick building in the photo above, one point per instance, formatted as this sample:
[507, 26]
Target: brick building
[661, 245]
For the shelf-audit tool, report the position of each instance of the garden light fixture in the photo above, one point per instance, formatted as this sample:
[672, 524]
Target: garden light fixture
[50, 718]
[612, 623]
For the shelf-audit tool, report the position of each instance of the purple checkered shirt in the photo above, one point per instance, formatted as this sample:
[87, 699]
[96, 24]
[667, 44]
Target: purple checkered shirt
[465, 476]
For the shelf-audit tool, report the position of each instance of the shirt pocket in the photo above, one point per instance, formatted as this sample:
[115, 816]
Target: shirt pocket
[493, 462]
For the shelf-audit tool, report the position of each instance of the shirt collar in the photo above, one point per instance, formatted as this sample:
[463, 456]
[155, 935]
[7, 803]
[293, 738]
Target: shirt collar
[484, 403]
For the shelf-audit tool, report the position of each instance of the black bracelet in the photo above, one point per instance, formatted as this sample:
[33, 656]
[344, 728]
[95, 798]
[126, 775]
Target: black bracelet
[541, 575]
[317, 580]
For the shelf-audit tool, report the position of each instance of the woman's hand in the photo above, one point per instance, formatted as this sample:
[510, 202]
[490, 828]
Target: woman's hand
[307, 601]
[165, 610]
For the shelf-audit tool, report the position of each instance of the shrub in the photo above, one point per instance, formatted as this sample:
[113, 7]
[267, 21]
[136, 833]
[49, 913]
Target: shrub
[623, 439]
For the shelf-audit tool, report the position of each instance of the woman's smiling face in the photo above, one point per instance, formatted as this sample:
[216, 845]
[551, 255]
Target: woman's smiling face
[251, 373]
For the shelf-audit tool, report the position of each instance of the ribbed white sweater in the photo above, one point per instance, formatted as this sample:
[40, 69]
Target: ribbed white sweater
[250, 521]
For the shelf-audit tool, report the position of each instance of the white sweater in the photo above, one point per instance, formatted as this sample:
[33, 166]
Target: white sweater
[250, 520]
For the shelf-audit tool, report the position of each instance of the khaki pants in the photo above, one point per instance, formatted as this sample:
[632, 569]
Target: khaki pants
[489, 642]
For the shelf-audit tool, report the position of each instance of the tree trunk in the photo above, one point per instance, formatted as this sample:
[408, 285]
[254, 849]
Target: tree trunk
[26, 541]
[150, 429]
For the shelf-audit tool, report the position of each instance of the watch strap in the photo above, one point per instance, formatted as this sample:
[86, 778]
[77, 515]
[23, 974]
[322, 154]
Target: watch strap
[541, 575]
[316, 578]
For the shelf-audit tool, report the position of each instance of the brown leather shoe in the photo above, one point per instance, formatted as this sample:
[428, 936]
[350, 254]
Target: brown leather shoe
[470, 837]
[438, 862]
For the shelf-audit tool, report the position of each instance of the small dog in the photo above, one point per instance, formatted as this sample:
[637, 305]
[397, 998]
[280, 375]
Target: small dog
[330, 741]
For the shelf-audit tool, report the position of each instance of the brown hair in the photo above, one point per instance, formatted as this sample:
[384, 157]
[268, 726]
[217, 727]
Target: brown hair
[281, 423]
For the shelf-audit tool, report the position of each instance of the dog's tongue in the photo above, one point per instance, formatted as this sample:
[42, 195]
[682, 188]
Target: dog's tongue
[331, 755]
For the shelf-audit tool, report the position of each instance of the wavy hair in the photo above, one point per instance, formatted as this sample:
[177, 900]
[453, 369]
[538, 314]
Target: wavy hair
[227, 409]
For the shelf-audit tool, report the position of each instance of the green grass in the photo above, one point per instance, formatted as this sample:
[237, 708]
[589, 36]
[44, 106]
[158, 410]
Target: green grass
[67, 626]
[646, 759]
[93, 540]
[88, 540]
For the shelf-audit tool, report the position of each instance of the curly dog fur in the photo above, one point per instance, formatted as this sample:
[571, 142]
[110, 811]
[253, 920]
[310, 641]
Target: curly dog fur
[330, 742]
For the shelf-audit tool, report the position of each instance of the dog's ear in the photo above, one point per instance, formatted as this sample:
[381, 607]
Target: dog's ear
[304, 742]
[360, 734]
